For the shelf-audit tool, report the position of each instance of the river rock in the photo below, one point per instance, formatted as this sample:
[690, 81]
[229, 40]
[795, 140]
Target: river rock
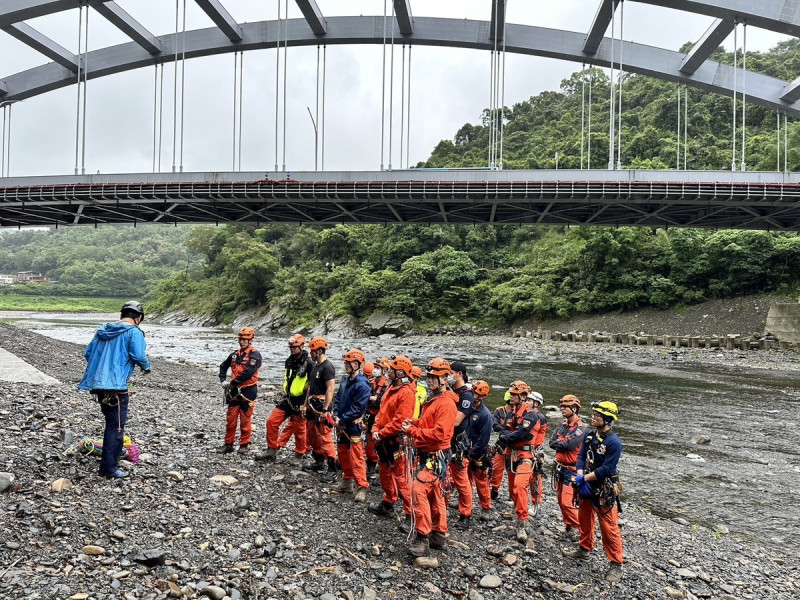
[695, 458]
[380, 323]
[175, 476]
[59, 485]
[150, 558]
[686, 573]
[426, 562]
[509, 560]
[490, 582]
[214, 592]
[701, 439]
[226, 480]
[6, 481]
[92, 550]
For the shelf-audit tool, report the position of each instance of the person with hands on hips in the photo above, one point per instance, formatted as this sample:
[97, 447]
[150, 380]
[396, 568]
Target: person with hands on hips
[244, 364]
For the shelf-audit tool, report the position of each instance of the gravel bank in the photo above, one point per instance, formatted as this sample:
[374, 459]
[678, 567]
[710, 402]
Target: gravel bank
[277, 532]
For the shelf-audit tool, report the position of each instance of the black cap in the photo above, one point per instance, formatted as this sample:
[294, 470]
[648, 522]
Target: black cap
[461, 367]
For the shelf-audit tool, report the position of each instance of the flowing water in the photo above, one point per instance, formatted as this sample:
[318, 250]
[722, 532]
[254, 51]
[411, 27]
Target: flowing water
[746, 478]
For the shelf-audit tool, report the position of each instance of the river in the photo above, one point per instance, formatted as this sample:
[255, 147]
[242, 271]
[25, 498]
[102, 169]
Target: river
[745, 479]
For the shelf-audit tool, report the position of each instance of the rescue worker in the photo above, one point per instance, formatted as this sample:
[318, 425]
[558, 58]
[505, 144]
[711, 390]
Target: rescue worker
[348, 412]
[566, 441]
[598, 485]
[396, 407]
[480, 461]
[431, 435]
[422, 391]
[460, 443]
[500, 424]
[296, 370]
[111, 358]
[517, 445]
[242, 391]
[535, 401]
[379, 386]
[317, 409]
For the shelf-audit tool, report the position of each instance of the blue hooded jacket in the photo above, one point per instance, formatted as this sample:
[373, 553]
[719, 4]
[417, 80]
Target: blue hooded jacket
[351, 402]
[112, 355]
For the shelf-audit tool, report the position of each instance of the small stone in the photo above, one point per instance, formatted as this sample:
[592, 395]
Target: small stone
[687, 573]
[695, 458]
[509, 560]
[225, 480]
[213, 592]
[13, 545]
[432, 589]
[150, 558]
[79, 596]
[426, 562]
[120, 574]
[174, 590]
[474, 594]
[6, 481]
[93, 550]
[59, 485]
[490, 582]
[673, 593]
[259, 541]
[176, 476]
[722, 529]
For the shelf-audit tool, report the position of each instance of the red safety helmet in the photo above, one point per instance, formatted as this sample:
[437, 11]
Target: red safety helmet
[401, 363]
[520, 387]
[383, 362]
[247, 333]
[480, 387]
[570, 400]
[354, 354]
[416, 372]
[369, 368]
[318, 343]
[297, 341]
[439, 367]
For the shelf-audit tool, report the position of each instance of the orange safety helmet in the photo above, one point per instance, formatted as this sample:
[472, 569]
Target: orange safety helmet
[416, 372]
[401, 363]
[354, 354]
[297, 341]
[480, 387]
[369, 368]
[570, 400]
[382, 362]
[439, 367]
[247, 333]
[519, 387]
[318, 343]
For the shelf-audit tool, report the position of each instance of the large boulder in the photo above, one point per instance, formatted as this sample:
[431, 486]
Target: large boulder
[380, 323]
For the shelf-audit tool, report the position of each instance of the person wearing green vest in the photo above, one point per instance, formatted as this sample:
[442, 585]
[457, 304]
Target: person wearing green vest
[295, 382]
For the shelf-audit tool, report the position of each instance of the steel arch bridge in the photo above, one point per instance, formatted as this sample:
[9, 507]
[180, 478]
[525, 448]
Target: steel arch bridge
[719, 199]
[592, 47]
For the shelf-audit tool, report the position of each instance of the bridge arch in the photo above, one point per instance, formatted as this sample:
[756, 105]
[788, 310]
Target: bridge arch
[572, 46]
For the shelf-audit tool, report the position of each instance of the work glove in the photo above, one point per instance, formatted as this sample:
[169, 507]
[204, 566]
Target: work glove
[586, 490]
[223, 383]
[579, 481]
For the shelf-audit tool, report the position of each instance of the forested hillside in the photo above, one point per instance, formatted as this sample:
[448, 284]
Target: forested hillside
[477, 274]
[107, 261]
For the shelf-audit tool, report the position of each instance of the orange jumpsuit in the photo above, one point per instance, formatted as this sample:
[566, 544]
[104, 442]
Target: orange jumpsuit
[519, 456]
[397, 406]
[244, 365]
[431, 434]
[566, 441]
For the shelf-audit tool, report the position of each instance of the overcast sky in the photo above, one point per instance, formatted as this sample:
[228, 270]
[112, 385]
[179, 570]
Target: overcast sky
[450, 87]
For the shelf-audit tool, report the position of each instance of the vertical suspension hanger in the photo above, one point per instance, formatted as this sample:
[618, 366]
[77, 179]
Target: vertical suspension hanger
[408, 130]
[316, 114]
[285, 66]
[583, 108]
[685, 123]
[183, 78]
[402, 105]
[160, 114]
[241, 104]
[235, 92]
[277, 80]
[383, 89]
[85, 89]
[78, 86]
[589, 122]
[155, 115]
[678, 131]
[324, 71]
[785, 140]
[735, 49]
[619, 107]
[744, 95]
[611, 103]
[8, 152]
[503, 90]
[778, 140]
[3, 144]
[175, 91]
[391, 87]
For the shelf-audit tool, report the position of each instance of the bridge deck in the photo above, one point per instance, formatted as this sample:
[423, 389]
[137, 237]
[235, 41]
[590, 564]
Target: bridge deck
[766, 201]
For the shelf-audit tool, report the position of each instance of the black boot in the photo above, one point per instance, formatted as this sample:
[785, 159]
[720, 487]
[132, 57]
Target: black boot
[317, 465]
[330, 475]
[372, 471]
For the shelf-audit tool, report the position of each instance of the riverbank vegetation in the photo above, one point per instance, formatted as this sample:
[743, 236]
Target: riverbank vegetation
[42, 302]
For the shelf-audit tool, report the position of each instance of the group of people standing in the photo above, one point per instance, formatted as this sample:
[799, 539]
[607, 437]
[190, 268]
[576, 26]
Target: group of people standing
[428, 441]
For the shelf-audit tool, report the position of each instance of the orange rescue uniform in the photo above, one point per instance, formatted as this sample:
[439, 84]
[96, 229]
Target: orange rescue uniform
[397, 406]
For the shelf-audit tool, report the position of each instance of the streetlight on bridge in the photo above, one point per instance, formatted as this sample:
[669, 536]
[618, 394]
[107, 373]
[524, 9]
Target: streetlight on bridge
[316, 137]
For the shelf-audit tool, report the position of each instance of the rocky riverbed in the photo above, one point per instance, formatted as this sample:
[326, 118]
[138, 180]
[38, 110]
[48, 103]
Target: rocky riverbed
[273, 531]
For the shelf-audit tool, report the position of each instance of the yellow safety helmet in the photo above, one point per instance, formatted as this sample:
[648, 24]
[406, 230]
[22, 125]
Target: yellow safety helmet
[607, 409]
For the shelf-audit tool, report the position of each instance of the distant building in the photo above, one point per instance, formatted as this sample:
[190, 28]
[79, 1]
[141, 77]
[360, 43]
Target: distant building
[6, 279]
[28, 276]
